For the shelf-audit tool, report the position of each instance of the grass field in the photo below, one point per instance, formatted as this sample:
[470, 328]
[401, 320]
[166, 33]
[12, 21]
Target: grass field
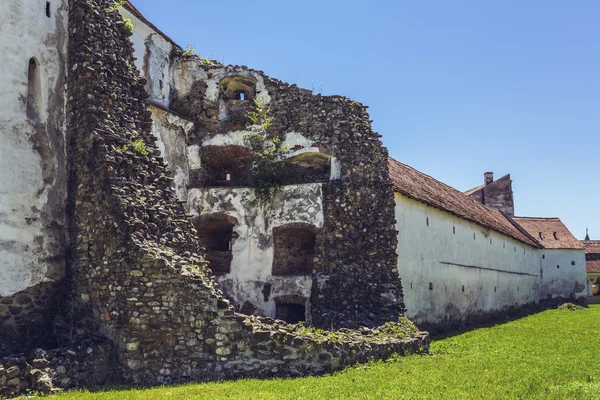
[550, 355]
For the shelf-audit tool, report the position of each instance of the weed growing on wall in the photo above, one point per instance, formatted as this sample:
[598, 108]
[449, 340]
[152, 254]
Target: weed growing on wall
[267, 154]
[116, 5]
[128, 25]
[190, 51]
[137, 146]
[261, 115]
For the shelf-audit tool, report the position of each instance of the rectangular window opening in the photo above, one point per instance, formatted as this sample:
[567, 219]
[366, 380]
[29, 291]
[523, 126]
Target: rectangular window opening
[48, 9]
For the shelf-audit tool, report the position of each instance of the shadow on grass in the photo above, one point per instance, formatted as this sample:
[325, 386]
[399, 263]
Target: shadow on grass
[450, 329]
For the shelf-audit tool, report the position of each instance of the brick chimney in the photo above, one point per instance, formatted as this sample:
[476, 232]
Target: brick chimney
[488, 178]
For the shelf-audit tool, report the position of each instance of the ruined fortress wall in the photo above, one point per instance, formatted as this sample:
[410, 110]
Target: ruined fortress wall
[250, 281]
[469, 273]
[352, 279]
[33, 39]
[140, 279]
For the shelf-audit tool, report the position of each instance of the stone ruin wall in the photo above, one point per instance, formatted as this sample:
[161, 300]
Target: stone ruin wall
[143, 300]
[350, 192]
[139, 279]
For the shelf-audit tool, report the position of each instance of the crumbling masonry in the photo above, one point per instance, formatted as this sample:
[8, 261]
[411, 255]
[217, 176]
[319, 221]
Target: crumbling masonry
[144, 306]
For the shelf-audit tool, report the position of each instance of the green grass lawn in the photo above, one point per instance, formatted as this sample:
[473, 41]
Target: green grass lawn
[550, 355]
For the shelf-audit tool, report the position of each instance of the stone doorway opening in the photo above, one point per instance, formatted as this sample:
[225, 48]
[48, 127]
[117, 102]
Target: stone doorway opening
[291, 313]
[291, 308]
[216, 235]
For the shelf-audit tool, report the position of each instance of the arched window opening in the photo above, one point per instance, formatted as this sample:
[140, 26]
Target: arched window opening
[34, 90]
[308, 166]
[290, 308]
[215, 232]
[240, 88]
[226, 165]
[294, 249]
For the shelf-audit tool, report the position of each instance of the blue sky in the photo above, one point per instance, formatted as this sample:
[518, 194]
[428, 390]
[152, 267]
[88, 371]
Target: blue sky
[456, 88]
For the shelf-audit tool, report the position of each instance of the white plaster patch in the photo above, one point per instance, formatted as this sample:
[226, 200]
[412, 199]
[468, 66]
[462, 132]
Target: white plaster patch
[152, 52]
[336, 169]
[252, 261]
[171, 132]
[193, 157]
[237, 138]
[293, 139]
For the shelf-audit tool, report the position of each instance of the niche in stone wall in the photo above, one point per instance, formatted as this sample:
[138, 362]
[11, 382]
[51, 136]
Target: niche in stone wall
[226, 165]
[236, 95]
[216, 235]
[290, 308]
[308, 167]
[34, 90]
[294, 249]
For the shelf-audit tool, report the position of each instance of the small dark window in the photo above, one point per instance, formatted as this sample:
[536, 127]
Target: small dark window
[558, 266]
[48, 9]
[463, 288]
[290, 313]
[473, 236]
[34, 90]
[503, 245]
[454, 229]
[430, 285]
[494, 289]
[490, 241]
[572, 262]
[543, 256]
[411, 286]
[517, 288]
[515, 249]
[427, 221]
[240, 95]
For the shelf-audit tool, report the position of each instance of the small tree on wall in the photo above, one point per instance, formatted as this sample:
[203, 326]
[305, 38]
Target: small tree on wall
[268, 169]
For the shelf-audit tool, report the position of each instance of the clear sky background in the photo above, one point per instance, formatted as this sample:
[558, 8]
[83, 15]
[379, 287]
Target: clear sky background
[456, 88]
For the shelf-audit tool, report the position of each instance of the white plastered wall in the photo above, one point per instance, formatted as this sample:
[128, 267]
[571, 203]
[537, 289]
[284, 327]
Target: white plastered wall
[28, 253]
[172, 132]
[495, 270]
[152, 52]
[560, 278]
[252, 261]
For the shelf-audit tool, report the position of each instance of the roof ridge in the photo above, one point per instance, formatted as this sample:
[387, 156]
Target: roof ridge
[416, 185]
[558, 218]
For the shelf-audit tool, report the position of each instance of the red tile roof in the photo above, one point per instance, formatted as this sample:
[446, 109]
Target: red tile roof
[592, 266]
[591, 246]
[592, 255]
[549, 232]
[418, 186]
